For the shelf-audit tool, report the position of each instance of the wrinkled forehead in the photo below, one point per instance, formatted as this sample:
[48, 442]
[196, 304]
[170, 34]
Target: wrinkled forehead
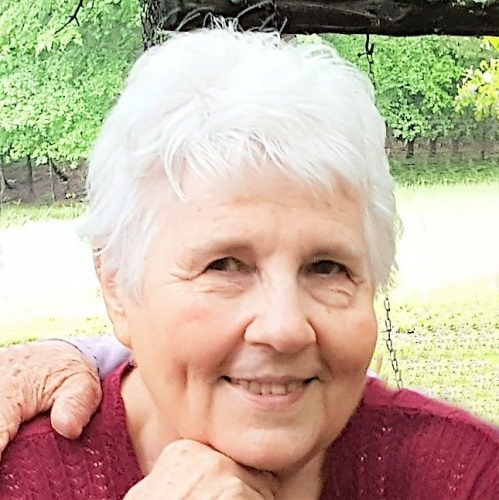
[261, 199]
[270, 201]
[272, 181]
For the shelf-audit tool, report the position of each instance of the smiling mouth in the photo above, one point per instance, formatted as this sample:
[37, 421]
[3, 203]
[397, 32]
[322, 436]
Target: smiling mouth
[269, 388]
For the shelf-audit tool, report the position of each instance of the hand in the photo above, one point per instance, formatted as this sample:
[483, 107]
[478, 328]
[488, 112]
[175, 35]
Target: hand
[37, 376]
[189, 470]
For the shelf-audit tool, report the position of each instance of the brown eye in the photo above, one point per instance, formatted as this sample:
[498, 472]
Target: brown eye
[227, 264]
[326, 267]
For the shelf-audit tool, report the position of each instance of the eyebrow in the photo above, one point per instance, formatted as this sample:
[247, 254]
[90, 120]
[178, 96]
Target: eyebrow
[342, 251]
[221, 246]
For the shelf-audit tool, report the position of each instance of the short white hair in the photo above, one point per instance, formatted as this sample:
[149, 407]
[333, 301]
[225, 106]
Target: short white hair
[214, 101]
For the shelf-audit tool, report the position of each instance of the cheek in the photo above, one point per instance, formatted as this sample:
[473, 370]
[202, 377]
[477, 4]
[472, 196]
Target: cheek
[347, 339]
[194, 332]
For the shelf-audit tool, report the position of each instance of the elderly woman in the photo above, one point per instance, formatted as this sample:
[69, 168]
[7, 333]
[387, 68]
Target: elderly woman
[242, 216]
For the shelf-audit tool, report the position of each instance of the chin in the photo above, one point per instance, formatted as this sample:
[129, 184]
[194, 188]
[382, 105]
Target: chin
[271, 455]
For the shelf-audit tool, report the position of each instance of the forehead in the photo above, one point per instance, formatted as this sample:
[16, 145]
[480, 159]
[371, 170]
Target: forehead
[272, 186]
[263, 209]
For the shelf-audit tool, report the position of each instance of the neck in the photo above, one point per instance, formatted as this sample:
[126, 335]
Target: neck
[147, 433]
[304, 484]
[149, 436]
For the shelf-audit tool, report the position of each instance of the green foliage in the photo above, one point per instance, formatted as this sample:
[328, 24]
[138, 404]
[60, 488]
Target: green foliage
[56, 85]
[480, 89]
[416, 81]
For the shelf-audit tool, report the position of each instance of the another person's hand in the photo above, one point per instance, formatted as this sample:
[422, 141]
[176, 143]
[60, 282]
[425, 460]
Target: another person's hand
[42, 375]
[190, 470]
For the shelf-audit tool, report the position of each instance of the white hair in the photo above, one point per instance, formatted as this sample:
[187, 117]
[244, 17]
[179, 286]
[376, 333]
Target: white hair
[213, 102]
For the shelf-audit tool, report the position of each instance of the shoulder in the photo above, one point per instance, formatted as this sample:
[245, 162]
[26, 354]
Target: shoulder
[34, 450]
[43, 464]
[418, 447]
[420, 411]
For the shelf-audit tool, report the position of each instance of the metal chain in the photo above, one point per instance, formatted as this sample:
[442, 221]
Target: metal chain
[369, 53]
[389, 343]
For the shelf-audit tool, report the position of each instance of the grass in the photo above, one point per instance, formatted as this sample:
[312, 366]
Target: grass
[446, 345]
[445, 173]
[15, 214]
[52, 327]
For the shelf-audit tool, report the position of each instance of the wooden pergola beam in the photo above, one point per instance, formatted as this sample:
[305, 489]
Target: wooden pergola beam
[383, 17]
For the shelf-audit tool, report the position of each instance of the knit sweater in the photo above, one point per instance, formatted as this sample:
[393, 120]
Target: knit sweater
[397, 445]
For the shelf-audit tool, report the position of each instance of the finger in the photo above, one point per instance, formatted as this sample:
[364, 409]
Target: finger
[4, 441]
[264, 484]
[235, 487]
[10, 420]
[74, 404]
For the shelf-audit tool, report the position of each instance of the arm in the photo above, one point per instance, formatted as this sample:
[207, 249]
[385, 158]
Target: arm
[106, 352]
[54, 375]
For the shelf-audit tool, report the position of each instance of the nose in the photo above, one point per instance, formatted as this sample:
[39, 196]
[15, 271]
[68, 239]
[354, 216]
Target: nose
[280, 321]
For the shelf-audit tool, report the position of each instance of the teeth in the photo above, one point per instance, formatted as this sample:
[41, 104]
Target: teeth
[255, 388]
[264, 389]
[279, 389]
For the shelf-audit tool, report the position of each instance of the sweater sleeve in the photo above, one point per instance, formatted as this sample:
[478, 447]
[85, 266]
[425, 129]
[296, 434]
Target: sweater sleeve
[402, 445]
[105, 351]
[454, 458]
[443, 451]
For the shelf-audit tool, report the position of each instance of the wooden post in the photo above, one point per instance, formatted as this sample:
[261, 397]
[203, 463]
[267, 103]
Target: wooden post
[382, 17]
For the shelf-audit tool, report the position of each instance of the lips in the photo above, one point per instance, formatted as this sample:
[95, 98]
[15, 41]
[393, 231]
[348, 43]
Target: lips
[266, 388]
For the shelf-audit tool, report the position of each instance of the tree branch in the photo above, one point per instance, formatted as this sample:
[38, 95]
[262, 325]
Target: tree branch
[72, 17]
[383, 17]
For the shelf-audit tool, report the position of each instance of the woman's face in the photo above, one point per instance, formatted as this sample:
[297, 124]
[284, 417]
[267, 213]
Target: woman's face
[255, 327]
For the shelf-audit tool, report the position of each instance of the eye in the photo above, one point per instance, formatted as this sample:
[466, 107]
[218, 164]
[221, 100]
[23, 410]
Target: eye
[227, 264]
[326, 267]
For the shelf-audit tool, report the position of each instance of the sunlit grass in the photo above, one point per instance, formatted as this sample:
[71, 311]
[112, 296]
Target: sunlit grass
[445, 173]
[447, 345]
[436, 193]
[15, 214]
[51, 327]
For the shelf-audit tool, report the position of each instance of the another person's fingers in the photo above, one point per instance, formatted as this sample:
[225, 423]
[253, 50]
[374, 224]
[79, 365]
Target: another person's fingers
[33, 375]
[264, 484]
[10, 419]
[11, 410]
[187, 469]
[75, 402]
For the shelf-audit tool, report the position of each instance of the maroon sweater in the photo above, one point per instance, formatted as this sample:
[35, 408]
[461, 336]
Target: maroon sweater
[398, 445]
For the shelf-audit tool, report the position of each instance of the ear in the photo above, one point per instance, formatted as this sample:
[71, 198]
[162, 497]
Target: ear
[115, 300]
